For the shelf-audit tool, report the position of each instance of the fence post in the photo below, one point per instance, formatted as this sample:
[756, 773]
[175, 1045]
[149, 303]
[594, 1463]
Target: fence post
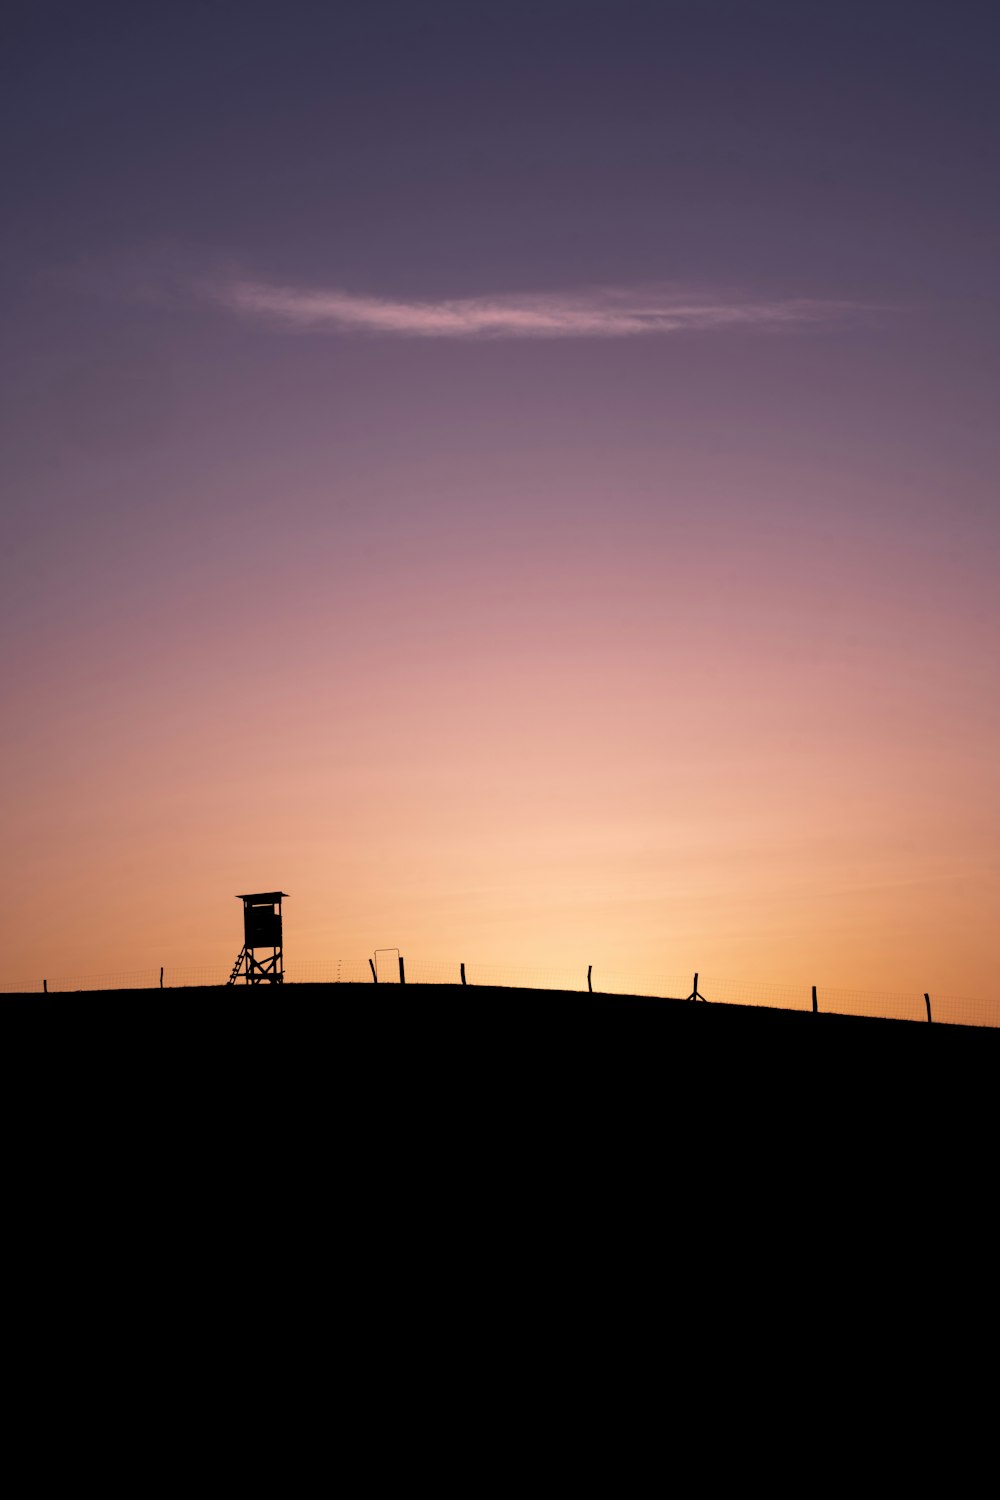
[45, 986]
[371, 966]
[815, 1006]
[590, 987]
[402, 971]
[462, 966]
[927, 1002]
[161, 974]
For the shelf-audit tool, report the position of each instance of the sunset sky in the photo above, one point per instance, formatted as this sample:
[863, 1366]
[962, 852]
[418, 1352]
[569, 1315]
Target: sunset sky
[521, 478]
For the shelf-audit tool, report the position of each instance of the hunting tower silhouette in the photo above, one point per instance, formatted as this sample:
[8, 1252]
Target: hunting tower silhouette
[261, 930]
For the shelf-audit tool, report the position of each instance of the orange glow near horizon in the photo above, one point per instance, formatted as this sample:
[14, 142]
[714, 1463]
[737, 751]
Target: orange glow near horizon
[533, 762]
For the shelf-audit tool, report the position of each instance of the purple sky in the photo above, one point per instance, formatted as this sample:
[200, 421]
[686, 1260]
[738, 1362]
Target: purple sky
[581, 357]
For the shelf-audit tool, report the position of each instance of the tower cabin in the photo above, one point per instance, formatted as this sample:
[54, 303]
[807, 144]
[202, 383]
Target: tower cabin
[261, 936]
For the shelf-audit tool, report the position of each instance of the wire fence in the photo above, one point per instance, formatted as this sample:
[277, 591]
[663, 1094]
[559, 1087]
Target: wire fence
[387, 966]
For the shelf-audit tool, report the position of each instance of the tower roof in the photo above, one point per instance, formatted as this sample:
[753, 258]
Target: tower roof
[262, 896]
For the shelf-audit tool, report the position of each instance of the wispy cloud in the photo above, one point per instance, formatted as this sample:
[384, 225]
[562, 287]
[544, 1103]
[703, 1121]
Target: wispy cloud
[600, 313]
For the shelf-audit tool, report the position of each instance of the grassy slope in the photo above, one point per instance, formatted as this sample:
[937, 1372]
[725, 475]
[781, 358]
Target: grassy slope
[319, 1116]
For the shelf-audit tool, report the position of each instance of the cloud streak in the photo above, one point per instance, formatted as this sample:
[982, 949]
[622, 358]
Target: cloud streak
[600, 313]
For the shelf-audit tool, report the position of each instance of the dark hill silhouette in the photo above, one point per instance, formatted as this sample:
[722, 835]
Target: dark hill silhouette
[340, 1107]
[361, 1006]
[310, 1038]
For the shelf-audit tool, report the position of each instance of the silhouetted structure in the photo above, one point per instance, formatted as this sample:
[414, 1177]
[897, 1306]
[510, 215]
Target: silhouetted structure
[261, 929]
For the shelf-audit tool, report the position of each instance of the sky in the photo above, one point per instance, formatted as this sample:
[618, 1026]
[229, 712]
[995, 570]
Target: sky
[521, 479]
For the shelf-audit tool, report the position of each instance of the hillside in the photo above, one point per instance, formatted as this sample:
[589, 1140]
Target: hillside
[310, 1087]
[311, 1027]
